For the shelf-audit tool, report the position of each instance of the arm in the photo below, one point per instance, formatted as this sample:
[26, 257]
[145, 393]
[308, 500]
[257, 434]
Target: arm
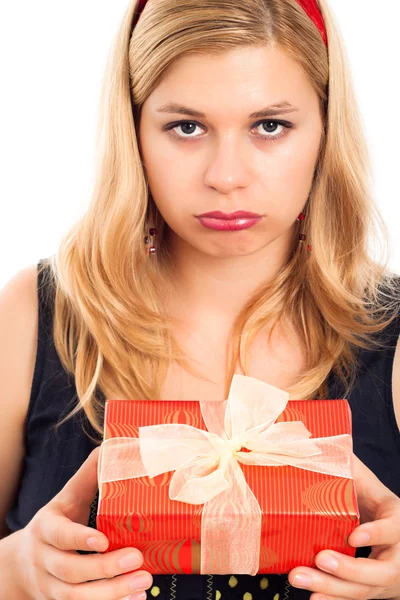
[18, 342]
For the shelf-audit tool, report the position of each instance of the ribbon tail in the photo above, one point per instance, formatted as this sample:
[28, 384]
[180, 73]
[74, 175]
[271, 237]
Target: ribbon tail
[231, 529]
[198, 481]
[120, 459]
[333, 456]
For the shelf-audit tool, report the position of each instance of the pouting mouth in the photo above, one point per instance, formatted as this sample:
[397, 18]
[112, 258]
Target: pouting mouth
[239, 214]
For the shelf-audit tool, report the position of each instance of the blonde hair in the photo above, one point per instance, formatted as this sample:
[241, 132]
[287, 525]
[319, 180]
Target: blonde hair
[110, 328]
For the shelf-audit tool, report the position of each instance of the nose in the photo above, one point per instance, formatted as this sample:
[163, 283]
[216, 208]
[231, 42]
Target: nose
[229, 167]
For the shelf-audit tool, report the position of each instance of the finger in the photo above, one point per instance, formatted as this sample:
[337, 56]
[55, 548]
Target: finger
[106, 589]
[382, 532]
[360, 570]
[317, 581]
[57, 530]
[74, 568]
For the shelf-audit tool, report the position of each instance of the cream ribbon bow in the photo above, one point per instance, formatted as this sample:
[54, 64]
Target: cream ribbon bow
[207, 471]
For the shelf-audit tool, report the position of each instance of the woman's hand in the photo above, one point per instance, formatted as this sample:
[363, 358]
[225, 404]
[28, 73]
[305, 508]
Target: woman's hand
[342, 577]
[40, 561]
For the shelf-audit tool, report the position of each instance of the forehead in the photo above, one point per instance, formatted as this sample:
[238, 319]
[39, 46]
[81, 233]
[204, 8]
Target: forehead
[234, 81]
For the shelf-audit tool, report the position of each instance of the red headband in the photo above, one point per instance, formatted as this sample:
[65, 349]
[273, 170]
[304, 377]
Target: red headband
[313, 11]
[309, 6]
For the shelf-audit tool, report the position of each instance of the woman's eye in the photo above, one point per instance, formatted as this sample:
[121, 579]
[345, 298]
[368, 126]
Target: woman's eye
[268, 130]
[184, 127]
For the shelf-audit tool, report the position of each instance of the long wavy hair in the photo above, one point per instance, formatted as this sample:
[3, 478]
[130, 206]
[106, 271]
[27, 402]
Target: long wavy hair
[110, 327]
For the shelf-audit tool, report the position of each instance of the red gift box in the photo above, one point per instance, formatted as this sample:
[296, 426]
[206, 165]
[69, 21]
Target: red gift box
[301, 511]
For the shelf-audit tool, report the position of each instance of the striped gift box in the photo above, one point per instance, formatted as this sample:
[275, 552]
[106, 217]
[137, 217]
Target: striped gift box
[303, 512]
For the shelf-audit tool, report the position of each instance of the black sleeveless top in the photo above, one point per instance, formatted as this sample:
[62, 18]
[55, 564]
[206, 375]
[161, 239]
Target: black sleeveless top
[52, 458]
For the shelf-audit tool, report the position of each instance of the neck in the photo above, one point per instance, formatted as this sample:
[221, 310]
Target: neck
[219, 286]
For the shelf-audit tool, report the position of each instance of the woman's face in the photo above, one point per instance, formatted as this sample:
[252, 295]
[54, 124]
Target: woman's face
[227, 158]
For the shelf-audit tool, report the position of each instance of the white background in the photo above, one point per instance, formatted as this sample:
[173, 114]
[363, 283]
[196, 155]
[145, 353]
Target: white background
[52, 62]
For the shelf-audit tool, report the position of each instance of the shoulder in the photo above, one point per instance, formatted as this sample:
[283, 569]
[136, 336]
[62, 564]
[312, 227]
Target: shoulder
[20, 292]
[18, 298]
[28, 274]
[19, 330]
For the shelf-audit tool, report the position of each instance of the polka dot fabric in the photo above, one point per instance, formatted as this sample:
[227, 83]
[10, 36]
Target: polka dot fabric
[246, 587]
[224, 587]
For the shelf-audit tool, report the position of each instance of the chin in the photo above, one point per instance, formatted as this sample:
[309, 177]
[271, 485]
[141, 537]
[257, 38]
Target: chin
[231, 250]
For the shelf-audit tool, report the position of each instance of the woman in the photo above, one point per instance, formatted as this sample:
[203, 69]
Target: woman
[245, 111]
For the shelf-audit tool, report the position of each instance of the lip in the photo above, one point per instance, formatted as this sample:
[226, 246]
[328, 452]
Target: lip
[228, 224]
[239, 214]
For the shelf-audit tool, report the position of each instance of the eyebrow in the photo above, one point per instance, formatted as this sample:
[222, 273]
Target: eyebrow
[269, 111]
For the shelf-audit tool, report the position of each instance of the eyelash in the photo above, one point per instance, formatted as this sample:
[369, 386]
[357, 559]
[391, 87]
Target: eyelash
[286, 124]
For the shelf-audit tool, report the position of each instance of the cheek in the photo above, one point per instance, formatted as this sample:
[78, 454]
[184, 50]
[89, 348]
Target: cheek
[171, 184]
[287, 172]
[164, 167]
[165, 185]
[287, 175]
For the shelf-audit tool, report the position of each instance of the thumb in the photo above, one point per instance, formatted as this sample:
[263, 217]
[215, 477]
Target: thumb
[378, 506]
[78, 493]
[384, 530]
[371, 492]
[63, 517]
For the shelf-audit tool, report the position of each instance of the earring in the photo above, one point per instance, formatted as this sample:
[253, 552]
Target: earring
[152, 233]
[302, 236]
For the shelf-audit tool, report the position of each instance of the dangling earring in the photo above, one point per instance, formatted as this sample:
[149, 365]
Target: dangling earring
[302, 236]
[152, 233]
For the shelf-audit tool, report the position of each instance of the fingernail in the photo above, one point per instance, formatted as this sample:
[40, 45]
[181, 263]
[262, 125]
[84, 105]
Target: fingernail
[139, 596]
[94, 544]
[361, 539]
[302, 581]
[140, 581]
[328, 562]
[130, 561]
